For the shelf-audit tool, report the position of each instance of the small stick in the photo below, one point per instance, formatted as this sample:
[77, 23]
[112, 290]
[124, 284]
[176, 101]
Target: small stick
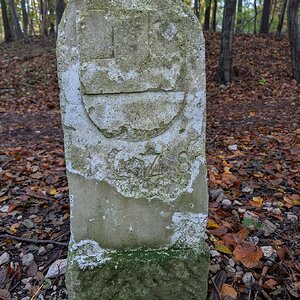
[220, 279]
[37, 292]
[33, 241]
[266, 295]
[216, 288]
[35, 196]
[263, 274]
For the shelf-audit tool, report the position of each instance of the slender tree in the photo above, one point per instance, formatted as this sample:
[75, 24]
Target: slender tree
[196, 8]
[16, 24]
[239, 21]
[60, 7]
[294, 36]
[281, 18]
[24, 17]
[225, 72]
[264, 25]
[207, 14]
[255, 17]
[214, 16]
[274, 4]
[8, 37]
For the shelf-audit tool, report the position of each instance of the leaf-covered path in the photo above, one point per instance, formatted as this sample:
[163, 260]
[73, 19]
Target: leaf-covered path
[253, 167]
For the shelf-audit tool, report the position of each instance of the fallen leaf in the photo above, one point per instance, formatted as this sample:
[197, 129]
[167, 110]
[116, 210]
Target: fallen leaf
[211, 224]
[292, 200]
[256, 202]
[248, 254]
[219, 246]
[37, 175]
[228, 290]
[4, 198]
[13, 228]
[242, 235]
[5, 294]
[52, 191]
[270, 284]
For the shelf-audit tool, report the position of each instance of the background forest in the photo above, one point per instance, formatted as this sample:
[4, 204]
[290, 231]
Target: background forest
[40, 17]
[252, 150]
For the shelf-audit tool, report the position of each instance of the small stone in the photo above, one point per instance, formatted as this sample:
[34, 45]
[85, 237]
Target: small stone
[49, 247]
[220, 198]
[26, 280]
[226, 202]
[250, 215]
[4, 209]
[214, 253]
[214, 268]
[241, 210]
[214, 194]
[239, 269]
[59, 267]
[239, 274]
[230, 269]
[28, 223]
[231, 262]
[4, 258]
[292, 218]
[267, 204]
[27, 259]
[42, 251]
[268, 227]
[267, 250]
[247, 189]
[58, 196]
[276, 211]
[235, 202]
[233, 147]
[28, 286]
[269, 263]
[248, 279]
[253, 239]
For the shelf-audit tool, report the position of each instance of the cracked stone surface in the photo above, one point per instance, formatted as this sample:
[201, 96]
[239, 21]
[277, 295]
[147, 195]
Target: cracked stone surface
[132, 80]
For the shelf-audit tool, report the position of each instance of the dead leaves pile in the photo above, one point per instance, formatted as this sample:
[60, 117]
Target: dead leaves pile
[253, 154]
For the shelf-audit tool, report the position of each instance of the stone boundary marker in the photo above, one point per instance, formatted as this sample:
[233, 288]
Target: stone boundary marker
[132, 80]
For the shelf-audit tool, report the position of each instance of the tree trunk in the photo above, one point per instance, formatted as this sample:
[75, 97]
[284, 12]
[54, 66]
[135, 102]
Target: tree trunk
[255, 18]
[214, 16]
[207, 14]
[239, 22]
[16, 24]
[196, 9]
[225, 72]
[24, 17]
[8, 37]
[274, 4]
[60, 7]
[294, 36]
[44, 12]
[264, 26]
[281, 19]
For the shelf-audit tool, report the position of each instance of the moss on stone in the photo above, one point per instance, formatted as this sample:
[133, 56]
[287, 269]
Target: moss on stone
[142, 274]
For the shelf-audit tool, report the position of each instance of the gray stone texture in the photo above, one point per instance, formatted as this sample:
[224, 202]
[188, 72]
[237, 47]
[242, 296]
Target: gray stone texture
[132, 80]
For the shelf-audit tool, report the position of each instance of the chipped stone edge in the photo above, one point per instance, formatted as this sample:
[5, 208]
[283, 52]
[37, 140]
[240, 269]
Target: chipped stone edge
[189, 234]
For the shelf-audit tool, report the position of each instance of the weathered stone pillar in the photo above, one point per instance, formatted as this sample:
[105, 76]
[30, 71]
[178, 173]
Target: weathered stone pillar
[132, 79]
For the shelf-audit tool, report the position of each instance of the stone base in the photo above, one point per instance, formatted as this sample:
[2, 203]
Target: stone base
[142, 274]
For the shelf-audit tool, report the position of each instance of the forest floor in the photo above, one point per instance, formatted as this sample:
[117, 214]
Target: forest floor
[253, 155]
